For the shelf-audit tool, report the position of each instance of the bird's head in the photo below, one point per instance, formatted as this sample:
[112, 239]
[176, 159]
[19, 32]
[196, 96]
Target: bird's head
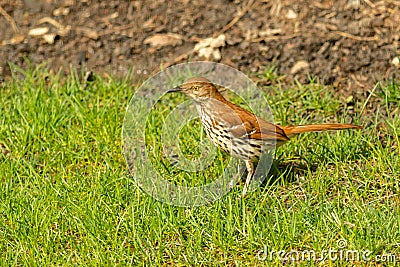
[198, 88]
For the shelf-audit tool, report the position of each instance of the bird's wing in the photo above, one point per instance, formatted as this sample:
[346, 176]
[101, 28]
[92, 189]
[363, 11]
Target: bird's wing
[242, 123]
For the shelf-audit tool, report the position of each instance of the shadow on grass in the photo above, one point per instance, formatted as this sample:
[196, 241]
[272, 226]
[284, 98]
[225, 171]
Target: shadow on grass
[283, 172]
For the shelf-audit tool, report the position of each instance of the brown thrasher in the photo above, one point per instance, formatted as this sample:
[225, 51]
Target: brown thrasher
[238, 131]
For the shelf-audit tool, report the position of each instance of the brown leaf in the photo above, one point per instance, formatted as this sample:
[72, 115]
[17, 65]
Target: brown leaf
[161, 40]
[38, 31]
[299, 65]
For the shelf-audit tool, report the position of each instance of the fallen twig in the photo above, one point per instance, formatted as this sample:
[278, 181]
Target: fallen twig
[62, 30]
[356, 81]
[178, 59]
[117, 29]
[249, 5]
[355, 37]
[275, 37]
[10, 20]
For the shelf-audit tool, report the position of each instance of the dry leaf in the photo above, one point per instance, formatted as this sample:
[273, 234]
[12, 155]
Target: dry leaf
[160, 40]
[396, 61]
[208, 48]
[49, 38]
[88, 32]
[17, 39]
[38, 31]
[61, 11]
[291, 14]
[269, 32]
[299, 65]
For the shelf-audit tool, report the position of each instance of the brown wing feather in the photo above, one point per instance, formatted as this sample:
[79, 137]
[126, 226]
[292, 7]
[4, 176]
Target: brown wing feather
[248, 125]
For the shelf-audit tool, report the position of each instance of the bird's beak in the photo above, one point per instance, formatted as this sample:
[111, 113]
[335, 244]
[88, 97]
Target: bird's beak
[176, 89]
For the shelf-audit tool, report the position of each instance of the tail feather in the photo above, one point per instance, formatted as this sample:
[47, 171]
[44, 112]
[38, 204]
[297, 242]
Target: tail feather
[293, 130]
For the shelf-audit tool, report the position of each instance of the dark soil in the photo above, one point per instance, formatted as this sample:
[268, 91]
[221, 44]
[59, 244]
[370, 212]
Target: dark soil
[349, 44]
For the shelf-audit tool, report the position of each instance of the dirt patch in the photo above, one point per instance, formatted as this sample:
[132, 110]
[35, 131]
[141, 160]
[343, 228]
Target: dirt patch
[349, 44]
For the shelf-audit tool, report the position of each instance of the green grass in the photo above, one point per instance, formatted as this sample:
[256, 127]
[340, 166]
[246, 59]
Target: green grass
[67, 198]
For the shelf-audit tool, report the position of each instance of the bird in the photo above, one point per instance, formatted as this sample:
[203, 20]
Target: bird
[238, 131]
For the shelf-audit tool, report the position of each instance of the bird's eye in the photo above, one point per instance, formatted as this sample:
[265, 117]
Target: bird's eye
[195, 88]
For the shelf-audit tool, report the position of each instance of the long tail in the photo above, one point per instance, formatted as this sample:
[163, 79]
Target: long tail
[293, 130]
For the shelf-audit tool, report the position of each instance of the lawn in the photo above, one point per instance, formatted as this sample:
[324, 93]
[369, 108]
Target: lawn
[67, 197]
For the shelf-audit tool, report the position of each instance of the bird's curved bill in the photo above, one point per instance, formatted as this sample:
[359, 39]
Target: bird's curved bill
[176, 89]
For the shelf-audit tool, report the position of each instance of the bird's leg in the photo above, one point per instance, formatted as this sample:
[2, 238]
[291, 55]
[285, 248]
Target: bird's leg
[250, 173]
